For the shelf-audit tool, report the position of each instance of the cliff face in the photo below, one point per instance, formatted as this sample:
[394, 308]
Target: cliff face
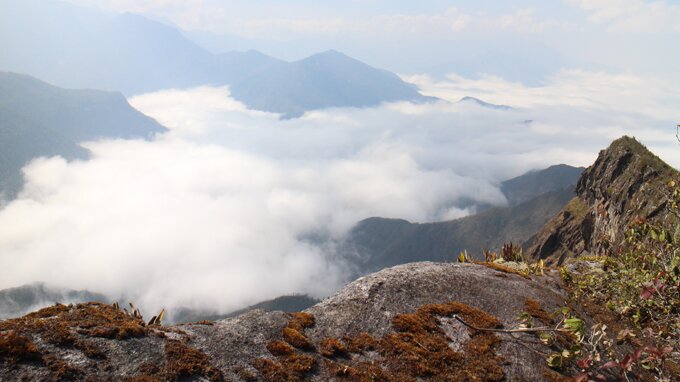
[394, 325]
[625, 182]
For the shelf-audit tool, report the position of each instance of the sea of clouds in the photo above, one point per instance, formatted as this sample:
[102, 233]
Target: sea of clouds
[220, 212]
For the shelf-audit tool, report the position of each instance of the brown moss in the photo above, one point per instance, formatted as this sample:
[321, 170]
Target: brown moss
[204, 322]
[61, 370]
[89, 349]
[58, 324]
[297, 339]
[17, 348]
[535, 310]
[280, 348]
[301, 321]
[340, 370]
[364, 372]
[419, 349]
[298, 364]
[553, 376]
[183, 361]
[414, 323]
[332, 347]
[503, 268]
[48, 312]
[143, 378]
[245, 374]
[469, 314]
[270, 370]
[289, 368]
[359, 343]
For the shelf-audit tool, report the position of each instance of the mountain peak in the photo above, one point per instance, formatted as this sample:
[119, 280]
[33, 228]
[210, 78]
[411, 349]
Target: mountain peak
[331, 55]
[626, 181]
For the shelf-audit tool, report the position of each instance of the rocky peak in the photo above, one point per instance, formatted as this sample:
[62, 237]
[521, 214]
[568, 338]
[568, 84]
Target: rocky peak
[625, 181]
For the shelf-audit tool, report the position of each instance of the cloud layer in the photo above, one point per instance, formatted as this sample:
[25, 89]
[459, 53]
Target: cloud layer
[234, 206]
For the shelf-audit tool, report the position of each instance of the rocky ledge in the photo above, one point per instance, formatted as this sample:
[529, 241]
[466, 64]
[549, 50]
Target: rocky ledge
[411, 322]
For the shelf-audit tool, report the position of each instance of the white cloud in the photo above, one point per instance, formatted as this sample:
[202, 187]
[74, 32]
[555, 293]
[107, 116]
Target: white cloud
[632, 15]
[218, 213]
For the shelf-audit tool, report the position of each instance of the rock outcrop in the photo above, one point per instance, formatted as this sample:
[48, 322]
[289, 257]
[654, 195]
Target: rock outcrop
[398, 324]
[627, 181]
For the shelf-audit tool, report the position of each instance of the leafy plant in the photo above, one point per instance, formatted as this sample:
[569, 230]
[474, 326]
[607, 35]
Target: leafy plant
[512, 252]
[640, 281]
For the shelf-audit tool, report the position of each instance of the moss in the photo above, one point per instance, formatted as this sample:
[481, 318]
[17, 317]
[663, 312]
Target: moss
[48, 312]
[90, 349]
[280, 348]
[297, 339]
[143, 378]
[270, 370]
[535, 310]
[419, 349]
[332, 347]
[414, 323]
[245, 374]
[17, 348]
[553, 376]
[61, 370]
[359, 343]
[289, 368]
[298, 364]
[365, 371]
[204, 322]
[147, 372]
[58, 323]
[184, 362]
[301, 321]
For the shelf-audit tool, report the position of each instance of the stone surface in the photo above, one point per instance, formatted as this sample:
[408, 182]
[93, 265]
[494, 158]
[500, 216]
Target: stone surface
[367, 305]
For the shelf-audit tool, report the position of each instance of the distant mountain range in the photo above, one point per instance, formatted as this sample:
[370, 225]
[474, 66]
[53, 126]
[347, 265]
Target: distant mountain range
[534, 198]
[80, 48]
[15, 302]
[38, 119]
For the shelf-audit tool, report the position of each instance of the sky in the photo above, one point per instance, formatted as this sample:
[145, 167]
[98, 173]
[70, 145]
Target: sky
[438, 36]
[219, 212]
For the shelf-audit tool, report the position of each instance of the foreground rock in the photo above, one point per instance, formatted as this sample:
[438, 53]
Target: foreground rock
[403, 323]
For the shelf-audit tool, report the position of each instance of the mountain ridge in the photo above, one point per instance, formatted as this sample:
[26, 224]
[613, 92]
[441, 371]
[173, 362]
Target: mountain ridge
[135, 55]
[624, 183]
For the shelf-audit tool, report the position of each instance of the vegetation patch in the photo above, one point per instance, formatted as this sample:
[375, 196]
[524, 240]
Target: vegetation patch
[17, 348]
[65, 327]
[417, 349]
[332, 347]
[360, 343]
[183, 361]
[290, 365]
[280, 348]
[634, 294]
